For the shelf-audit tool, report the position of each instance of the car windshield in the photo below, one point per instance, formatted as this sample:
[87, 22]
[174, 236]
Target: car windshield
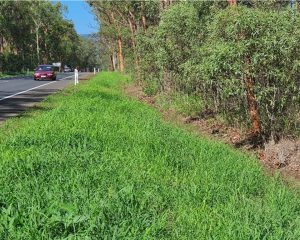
[44, 68]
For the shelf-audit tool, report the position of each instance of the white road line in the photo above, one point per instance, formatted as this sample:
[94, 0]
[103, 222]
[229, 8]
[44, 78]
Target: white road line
[3, 82]
[31, 89]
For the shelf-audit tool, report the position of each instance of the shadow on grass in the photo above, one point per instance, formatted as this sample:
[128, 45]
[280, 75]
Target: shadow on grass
[25, 105]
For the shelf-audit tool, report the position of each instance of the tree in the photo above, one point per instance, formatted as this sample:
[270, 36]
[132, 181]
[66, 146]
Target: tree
[34, 32]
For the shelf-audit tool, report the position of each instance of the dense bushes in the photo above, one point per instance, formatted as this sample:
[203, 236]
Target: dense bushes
[263, 46]
[242, 62]
[170, 45]
[10, 62]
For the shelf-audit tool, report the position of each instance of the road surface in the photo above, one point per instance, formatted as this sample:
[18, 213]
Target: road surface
[17, 94]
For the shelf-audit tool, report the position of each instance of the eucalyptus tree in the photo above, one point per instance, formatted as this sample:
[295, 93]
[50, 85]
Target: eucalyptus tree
[111, 29]
[15, 32]
[33, 32]
[36, 15]
[121, 23]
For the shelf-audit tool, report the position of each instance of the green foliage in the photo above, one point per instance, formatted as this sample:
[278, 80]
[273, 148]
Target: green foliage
[35, 32]
[186, 104]
[11, 62]
[178, 33]
[164, 49]
[87, 53]
[93, 164]
[269, 40]
[207, 49]
[149, 65]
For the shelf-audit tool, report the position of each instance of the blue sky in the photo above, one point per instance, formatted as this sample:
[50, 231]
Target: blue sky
[82, 16]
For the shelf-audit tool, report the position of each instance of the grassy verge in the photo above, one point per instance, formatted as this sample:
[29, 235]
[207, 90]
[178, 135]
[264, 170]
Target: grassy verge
[4, 75]
[188, 105]
[92, 164]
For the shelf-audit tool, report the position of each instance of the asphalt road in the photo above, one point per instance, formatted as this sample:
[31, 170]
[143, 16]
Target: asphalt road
[11, 86]
[18, 94]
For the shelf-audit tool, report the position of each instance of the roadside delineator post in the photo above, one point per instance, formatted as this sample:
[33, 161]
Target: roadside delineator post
[94, 71]
[76, 76]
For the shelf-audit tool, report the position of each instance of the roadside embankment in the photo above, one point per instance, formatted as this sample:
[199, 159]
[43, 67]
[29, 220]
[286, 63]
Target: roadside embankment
[90, 163]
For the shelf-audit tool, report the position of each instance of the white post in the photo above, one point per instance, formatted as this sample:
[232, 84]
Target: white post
[76, 76]
[94, 71]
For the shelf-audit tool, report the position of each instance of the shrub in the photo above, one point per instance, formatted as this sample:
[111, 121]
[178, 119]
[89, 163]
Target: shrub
[179, 32]
[11, 63]
[261, 45]
[149, 66]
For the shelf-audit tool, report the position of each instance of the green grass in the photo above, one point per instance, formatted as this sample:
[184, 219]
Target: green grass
[188, 105]
[3, 75]
[93, 164]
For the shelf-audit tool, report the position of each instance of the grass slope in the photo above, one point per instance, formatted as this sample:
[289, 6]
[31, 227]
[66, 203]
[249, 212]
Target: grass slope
[92, 164]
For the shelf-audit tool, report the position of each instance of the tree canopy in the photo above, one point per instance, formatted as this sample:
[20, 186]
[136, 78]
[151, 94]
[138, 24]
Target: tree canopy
[35, 32]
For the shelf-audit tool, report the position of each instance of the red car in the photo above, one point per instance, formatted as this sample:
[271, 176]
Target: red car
[44, 72]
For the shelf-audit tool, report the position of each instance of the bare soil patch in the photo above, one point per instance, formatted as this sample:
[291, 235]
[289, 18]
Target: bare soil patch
[283, 156]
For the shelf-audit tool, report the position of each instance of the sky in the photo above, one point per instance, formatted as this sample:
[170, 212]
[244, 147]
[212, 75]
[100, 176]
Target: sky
[82, 16]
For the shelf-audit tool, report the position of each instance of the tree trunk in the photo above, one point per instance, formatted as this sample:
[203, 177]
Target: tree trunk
[231, 2]
[251, 100]
[37, 45]
[120, 54]
[133, 28]
[115, 59]
[164, 4]
[1, 45]
[46, 57]
[112, 61]
[144, 22]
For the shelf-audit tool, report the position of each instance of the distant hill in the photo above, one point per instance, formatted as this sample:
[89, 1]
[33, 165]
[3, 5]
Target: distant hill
[88, 36]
